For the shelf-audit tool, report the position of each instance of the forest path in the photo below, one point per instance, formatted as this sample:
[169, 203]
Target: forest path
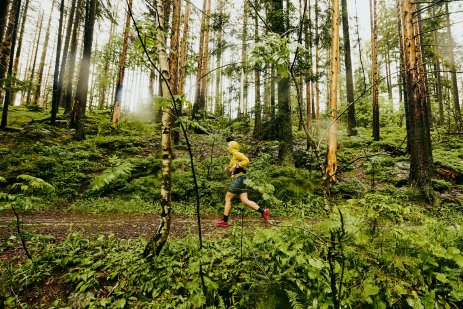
[58, 224]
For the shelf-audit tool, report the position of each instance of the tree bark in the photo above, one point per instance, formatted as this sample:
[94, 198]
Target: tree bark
[331, 159]
[375, 70]
[184, 51]
[121, 69]
[199, 105]
[283, 119]
[452, 69]
[418, 133]
[80, 102]
[258, 106]
[20, 41]
[173, 62]
[158, 240]
[72, 63]
[38, 86]
[351, 121]
[219, 110]
[56, 83]
[29, 88]
[3, 17]
[205, 67]
[13, 25]
[67, 40]
[437, 74]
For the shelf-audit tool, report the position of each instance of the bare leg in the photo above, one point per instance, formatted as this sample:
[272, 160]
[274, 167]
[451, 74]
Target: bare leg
[244, 199]
[228, 203]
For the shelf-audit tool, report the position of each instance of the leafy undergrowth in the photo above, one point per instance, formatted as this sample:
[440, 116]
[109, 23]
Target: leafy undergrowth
[380, 254]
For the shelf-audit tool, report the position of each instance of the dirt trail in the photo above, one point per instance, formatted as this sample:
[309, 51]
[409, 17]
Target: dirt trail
[59, 223]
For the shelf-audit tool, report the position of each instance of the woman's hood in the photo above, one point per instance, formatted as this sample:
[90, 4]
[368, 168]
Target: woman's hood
[233, 147]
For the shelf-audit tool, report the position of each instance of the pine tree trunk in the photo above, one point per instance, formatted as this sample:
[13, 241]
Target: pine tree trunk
[205, 67]
[80, 102]
[283, 119]
[331, 159]
[258, 106]
[29, 89]
[453, 74]
[121, 69]
[418, 133]
[198, 104]
[184, 51]
[438, 76]
[308, 80]
[13, 25]
[4, 4]
[158, 240]
[173, 61]
[38, 86]
[219, 111]
[6, 47]
[244, 73]
[317, 85]
[56, 83]
[68, 98]
[20, 41]
[351, 121]
[375, 70]
[67, 40]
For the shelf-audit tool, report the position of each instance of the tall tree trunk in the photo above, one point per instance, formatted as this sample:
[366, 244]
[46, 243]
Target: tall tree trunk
[13, 25]
[56, 83]
[80, 102]
[317, 84]
[198, 104]
[331, 159]
[418, 133]
[5, 46]
[453, 71]
[64, 59]
[283, 120]
[20, 41]
[351, 121]
[158, 240]
[309, 77]
[38, 86]
[121, 68]
[3, 17]
[184, 51]
[438, 75]
[29, 88]
[218, 78]
[258, 106]
[205, 67]
[173, 60]
[72, 63]
[375, 70]
[244, 73]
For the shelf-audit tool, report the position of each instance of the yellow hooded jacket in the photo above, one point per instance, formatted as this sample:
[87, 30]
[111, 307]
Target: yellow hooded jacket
[237, 157]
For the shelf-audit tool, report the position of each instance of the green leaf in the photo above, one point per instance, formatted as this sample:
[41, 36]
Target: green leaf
[441, 277]
[370, 289]
[120, 303]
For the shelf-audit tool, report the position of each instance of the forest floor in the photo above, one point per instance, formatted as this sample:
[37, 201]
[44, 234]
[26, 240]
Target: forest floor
[58, 224]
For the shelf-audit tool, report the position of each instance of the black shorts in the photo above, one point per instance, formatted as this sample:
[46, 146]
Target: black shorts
[237, 186]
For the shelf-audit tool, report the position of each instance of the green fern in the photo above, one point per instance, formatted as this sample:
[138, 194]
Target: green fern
[2, 179]
[295, 304]
[31, 184]
[122, 171]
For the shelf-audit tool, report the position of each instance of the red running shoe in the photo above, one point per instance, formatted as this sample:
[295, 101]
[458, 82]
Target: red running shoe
[221, 223]
[266, 214]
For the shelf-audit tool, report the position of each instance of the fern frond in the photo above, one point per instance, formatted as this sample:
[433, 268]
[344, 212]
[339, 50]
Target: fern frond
[112, 174]
[30, 183]
[292, 296]
[2, 179]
